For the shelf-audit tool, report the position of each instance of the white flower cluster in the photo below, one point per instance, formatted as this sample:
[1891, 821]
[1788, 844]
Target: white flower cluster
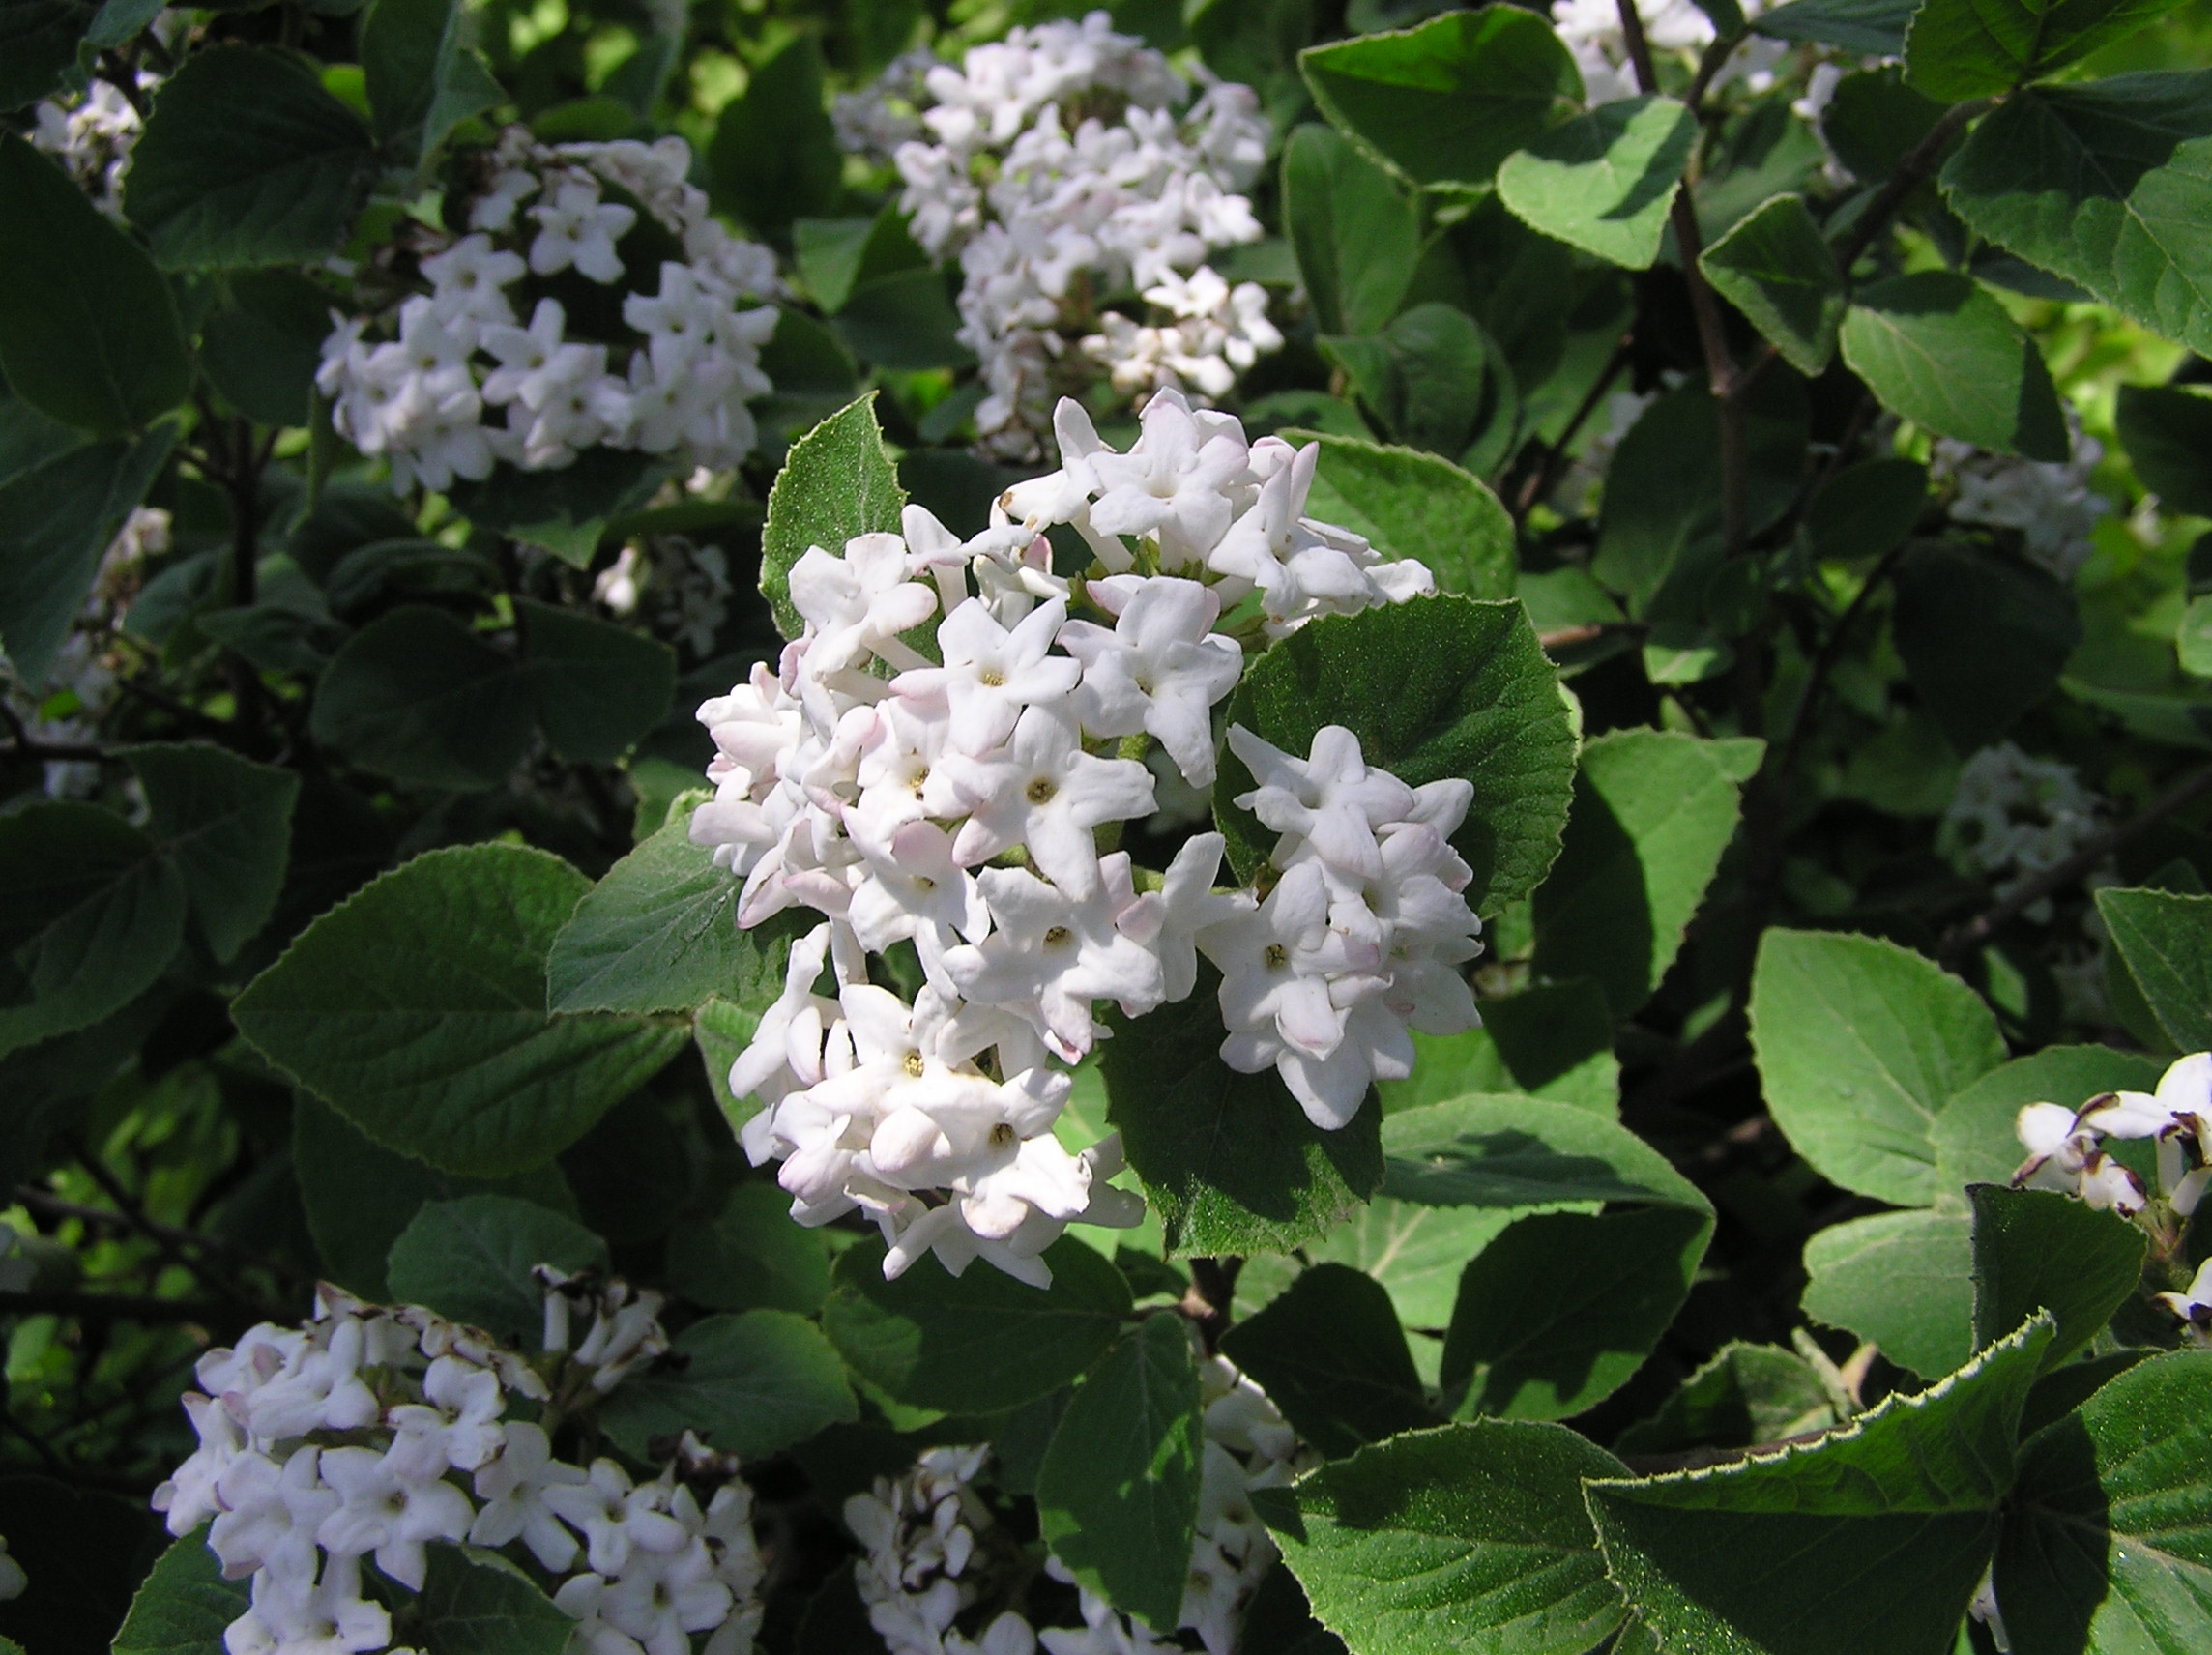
[2013, 815]
[933, 1543]
[681, 588]
[953, 804]
[1053, 164]
[1593, 33]
[92, 134]
[364, 1433]
[677, 383]
[2047, 502]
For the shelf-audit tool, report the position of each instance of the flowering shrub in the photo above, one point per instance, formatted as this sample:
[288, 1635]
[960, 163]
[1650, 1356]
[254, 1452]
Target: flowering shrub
[1235, 827]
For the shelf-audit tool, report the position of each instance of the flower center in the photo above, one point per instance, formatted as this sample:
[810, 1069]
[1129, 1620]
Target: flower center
[1057, 937]
[913, 1065]
[1040, 790]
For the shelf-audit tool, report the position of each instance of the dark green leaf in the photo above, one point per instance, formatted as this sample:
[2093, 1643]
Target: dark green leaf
[836, 484]
[422, 78]
[1445, 103]
[773, 157]
[1654, 811]
[1357, 235]
[1416, 505]
[1522, 1152]
[1776, 268]
[752, 1384]
[2039, 1250]
[751, 1256]
[1957, 49]
[417, 1007]
[1902, 1280]
[1866, 509]
[1229, 1161]
[1604, 182]
[598, 688]
[1976, 1143]
[88, 331]
[977, 1343]
[1874, 120]
[418, 696]
[1436, 688]
[471, 1260]
[86, 1552]
[1938, 351]
[90, 914]
[1118, 1493]
[477, 1603]
[2108, 184]
[2167, 430]
[1860, 1045]
[1434, 380]
[904, 322]
[836, 255]
[38, 43]
[56, 519]
[1984, 637]
[1875, 1537]
[226, 824]
[184, 1605]
[1746, 1396]
[1468, 1538]
[2166, 939]
[246, 161]
[1564, 1307]
[2106, 1549]
[261, 347]
[1874, 28]
[568, 511]
[1330, 1355]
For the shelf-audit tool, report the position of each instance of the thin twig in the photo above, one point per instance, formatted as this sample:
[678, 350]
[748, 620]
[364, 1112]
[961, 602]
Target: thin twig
[1918, 162]
[51, 1205]
[165, 1241]
[1555, 458]
[1212, 1289]
[123, 1307]
[1963, 939]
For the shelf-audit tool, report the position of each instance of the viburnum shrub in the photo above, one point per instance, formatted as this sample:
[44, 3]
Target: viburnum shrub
[883, 826]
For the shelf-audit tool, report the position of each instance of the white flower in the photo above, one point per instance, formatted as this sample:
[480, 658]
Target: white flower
[328, 1616]
[390, 1508]
[1188, 905]
[991, 673]
[469, 279]
[859, 603]
[2194, 1305]
[512, 1486]
[615, 1517]
[1047, 794]
[1330, 799]
[577, 228]
[1172, 485]
[270, 1515]
[1160, 671]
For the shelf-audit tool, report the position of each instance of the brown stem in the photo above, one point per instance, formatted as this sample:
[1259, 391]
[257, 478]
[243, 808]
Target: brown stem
[170, 1243]
[1918, 162]
[1555, 458]
[1963, 939]
[1638, 48]
[1213, 1290]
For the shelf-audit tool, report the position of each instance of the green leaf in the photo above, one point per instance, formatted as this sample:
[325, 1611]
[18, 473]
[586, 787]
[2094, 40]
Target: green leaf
[417, 1007]
[90, 914]
[1356, 237]
[2039, 1250]
[56, 519]
[2105, 1549]
[750, 1257]
[2166, 939]
[2167, 430]
[1329, 1352]
[1229, 1161]
[773, 157]
[261, 347]
[88, 331]
[422, 77]
[904, 321]
[477, 1603]
[1553, 1040]
[1957, 49]
[120, 20]
[1118, 1493]
[1524, 1152]
[359, 1197]
[471, 1260]
[1746, 1396]
[1976, 1143]
[1872, 28]
[1467, 1538]
[184, 1605]
[1860, 1045]
[1445, 103]
[1654, 811]
[2108, 184]
[1874, 1538]
[246, 161]
[1604, 181]
[977, 1343]
[1433, 379]
[1866, 509]
[598, 688]
[1874, 120]
[226, 824]
[836, 484]
[1561, 1309]
[836, 255]
[1411, 505]
[38, 43]
[1938, 351]
[661, 933]
[752, 1384]
[567, 511]
[2192, 639]
[1902, 1280]
[1776, 268]
[1440, 686]
[1984, 637]
[417, 696]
